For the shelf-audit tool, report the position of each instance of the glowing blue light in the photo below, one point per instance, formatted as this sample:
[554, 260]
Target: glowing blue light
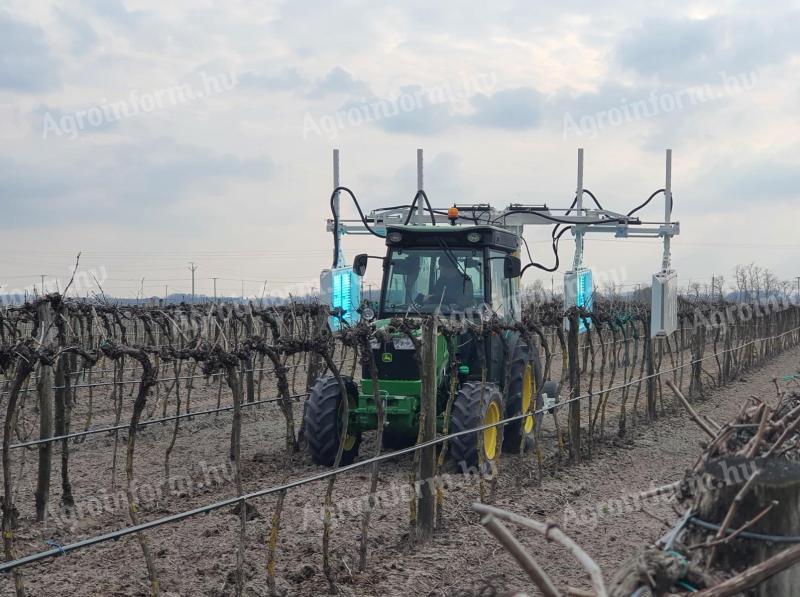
[578, 290]
[583, 294]
[341, 290]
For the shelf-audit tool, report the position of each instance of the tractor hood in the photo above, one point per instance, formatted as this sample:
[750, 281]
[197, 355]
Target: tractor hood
[381, 324]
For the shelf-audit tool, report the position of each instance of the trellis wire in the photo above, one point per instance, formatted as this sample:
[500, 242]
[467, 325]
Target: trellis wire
[115, 535]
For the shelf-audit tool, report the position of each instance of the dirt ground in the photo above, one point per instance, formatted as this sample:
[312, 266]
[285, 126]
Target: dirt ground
[198, 555]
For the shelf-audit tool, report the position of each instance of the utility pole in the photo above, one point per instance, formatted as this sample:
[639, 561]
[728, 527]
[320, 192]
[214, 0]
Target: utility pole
[263, 292]
[42, 287]
[193, 268]
[242, 291]
[798, 287]
[215, 288]
[166, 293]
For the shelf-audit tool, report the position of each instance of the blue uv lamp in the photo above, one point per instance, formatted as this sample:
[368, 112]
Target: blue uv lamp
[578, 291]
[340, 289]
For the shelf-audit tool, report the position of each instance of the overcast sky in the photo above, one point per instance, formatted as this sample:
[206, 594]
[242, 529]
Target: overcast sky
[152, 134]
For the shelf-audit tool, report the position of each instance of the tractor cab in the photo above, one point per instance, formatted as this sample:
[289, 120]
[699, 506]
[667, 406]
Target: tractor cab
[454, 271]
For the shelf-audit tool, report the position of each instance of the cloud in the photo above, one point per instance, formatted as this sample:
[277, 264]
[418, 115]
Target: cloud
[127, 184]
[338, 81]
[80, 31]
[760, 181]
[511, 109]
[115, 11]
[697, 50]
[26, 63]
[289, 79]
[414, 112]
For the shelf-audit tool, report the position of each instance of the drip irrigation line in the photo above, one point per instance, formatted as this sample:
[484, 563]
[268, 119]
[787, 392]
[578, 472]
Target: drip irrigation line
[47, 440]
[710, 526]
[115, 535]
[128, 382]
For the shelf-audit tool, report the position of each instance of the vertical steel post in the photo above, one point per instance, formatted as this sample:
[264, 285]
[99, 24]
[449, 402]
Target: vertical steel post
[337, 209]
[667, 210]
[420, 187]
[578, 261]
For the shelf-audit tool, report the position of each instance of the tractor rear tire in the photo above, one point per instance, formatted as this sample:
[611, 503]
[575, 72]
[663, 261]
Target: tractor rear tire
[525, 376]
[323, 421]
[473, 408]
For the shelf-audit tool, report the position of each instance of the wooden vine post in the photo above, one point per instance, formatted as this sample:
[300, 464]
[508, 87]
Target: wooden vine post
[575, 388]
[44, 390]
[650, 369]
[761, 494]
[427, 461]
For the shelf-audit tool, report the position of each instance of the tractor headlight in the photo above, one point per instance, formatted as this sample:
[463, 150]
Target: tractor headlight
[395, 237]
[367, 313]
[403, 343]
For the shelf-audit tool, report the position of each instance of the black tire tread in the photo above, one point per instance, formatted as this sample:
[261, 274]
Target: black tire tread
[514, 429]
[322, 425]
[467, 413]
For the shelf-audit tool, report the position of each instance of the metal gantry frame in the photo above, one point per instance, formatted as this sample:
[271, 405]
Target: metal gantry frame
[582, 220]
[517, 215]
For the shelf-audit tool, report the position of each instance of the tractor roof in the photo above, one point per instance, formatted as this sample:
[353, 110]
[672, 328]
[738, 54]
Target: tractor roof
[454, 236]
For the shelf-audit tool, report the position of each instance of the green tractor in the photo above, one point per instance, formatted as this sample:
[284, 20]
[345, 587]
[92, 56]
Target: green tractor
[458, 272]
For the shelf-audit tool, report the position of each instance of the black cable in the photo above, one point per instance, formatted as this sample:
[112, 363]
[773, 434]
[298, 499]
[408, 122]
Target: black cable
[649, 199]
[556, 234]
[555, 252]
[596, 202]
[336, 221]
[746, 534]
[431, 211]
[554, 219]
[555, 228]
[527, 248]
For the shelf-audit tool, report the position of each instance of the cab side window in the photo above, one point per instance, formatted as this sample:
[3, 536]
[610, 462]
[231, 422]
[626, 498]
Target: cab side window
[502, 302]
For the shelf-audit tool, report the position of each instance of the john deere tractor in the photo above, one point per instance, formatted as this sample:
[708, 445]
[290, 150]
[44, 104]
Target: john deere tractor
[462, 261]
[456, 271]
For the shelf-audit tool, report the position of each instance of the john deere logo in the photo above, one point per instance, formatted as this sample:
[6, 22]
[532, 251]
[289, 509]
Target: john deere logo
[386, 357]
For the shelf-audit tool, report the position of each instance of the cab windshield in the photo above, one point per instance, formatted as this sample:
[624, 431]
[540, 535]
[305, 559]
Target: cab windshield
[425, 280]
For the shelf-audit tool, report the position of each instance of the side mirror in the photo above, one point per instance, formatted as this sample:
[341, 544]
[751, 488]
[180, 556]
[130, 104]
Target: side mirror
[511, 266]
[360, 264]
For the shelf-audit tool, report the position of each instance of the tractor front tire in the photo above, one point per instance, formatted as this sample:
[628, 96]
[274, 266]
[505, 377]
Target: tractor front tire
[474, 407]
[524, 393]
[324, 421]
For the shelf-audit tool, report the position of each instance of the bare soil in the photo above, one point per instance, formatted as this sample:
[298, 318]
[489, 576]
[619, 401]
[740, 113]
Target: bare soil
[197, 556]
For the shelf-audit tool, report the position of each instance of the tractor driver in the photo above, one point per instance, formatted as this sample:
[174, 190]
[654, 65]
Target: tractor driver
[452, 287]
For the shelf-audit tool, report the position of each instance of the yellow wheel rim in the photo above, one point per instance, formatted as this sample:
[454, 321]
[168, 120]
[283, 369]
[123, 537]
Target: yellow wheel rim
[527, 392]
[349, 442]
[490, 434]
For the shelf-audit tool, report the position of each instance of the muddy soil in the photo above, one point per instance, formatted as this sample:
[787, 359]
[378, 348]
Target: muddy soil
[198, 555]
